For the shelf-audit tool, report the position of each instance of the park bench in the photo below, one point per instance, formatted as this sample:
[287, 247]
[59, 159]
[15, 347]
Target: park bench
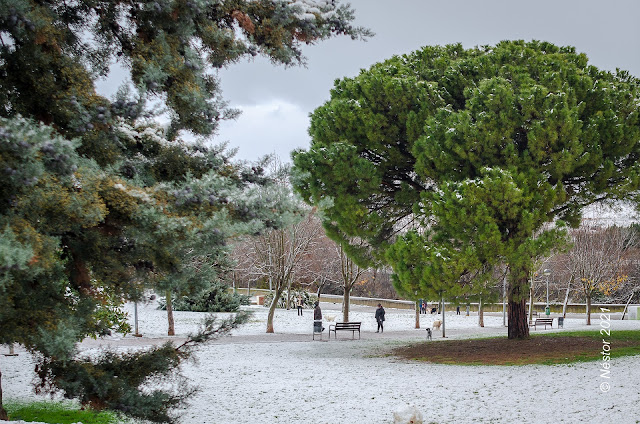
[345, 326]
[543, 321]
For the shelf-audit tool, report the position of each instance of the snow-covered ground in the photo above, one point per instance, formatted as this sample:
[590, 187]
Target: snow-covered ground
[253, 377]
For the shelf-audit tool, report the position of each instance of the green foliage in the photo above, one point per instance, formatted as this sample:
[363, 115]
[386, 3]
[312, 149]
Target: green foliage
[478, 149]
[167, 45]
[59, 412]
[109, 316]
[41, 203]
[216, 298]
[113, 380]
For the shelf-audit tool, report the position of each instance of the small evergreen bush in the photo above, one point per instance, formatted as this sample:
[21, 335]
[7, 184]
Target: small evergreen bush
[216, 298]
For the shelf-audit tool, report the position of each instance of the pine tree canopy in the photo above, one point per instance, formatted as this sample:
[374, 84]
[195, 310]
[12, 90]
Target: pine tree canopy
[99, 200]
[464, 154]
[52, 52]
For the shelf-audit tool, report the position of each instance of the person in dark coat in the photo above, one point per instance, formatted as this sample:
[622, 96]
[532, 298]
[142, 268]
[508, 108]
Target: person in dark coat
[317, 317]
[380, 318]
[317, 313]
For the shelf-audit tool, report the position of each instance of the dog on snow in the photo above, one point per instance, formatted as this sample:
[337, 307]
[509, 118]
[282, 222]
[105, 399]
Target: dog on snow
[428, 334]
[407, 415]
[437, 324]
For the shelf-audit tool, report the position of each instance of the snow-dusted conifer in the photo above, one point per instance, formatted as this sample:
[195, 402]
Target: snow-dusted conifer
[99, 202]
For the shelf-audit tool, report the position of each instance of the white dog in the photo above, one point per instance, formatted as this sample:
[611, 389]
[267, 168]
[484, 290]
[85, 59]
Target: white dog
[437, 324]
[407, 415]
[331, 317]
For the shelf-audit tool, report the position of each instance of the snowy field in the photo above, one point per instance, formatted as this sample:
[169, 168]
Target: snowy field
[253, 377]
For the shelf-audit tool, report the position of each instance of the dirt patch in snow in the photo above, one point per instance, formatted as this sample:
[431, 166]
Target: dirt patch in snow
[502, 351]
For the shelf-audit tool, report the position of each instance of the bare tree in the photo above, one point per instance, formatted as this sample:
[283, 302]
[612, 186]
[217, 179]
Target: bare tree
[596, 260]
[629, 287]
[321, 264]
[488, 283]
[278, 254]
[350, 273]
[375, 282]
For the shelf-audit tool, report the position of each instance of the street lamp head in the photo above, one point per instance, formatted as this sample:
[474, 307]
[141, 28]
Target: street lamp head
[546, 272]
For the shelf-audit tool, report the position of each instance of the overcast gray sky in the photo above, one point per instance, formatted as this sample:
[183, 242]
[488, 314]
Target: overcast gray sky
[276, 101]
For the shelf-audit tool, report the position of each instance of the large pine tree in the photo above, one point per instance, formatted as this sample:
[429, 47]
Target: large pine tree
[474, 150]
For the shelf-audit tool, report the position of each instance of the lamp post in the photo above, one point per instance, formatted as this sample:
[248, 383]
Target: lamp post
[504, 300]
[135, 315]
[415, 293]
[135, 319]
[546, 273]
[443, 315]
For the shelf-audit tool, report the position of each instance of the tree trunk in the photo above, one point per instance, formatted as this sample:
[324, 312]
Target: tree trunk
[289, 296]
[531, 301]
[80, 275]
[345, 305]
[588, 309]
[3, 413]
[627, 305]
[480, 313]
[504, 300]
[272, 310]
[417, 315]
[518, 325]
[566, 300]
[172, 327]
[444, 328]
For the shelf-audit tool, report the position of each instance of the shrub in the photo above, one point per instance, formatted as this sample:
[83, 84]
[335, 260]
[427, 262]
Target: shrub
[216, 298]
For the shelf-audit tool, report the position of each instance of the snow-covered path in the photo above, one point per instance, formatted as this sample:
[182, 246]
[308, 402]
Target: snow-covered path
[253, 377]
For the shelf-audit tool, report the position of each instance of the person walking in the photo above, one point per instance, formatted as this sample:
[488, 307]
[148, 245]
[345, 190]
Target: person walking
[299, 305]
[317, 318]
[380, 318]
[317, 313]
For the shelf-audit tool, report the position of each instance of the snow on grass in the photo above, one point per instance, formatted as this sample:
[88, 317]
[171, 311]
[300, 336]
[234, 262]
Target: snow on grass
[253, 377]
